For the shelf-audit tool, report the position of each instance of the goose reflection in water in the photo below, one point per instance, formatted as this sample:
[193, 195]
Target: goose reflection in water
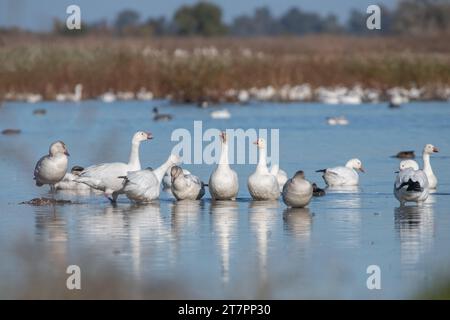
[415, 227]
[298, 223]
[185, 218]
[225, 220]
[142, 224]
[52, 229]
[263, 219]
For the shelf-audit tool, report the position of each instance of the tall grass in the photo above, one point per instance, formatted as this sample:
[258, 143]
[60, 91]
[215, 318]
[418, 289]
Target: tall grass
[192, 69]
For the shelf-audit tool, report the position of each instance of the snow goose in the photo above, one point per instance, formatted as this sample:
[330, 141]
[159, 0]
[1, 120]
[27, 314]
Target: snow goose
[221, 114]
[223, 183]
[262, 184]
[281, 175]
[51, 168]
[167, 179]
[297, 192]
[69, 183]
[144, 185]
[343, 176]
[428, 150]
[105, 177]
[108, 97]
[186, 186]
[411, 184]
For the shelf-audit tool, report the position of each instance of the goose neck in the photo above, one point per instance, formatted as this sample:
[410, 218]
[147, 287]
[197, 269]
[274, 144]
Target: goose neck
[262, 161]
[134, 162]
[426, 163]
[223, 161]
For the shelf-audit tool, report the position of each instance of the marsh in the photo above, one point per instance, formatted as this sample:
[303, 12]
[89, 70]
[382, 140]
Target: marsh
[224, 249]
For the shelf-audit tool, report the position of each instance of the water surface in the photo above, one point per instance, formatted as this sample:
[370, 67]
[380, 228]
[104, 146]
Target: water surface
[241, 249]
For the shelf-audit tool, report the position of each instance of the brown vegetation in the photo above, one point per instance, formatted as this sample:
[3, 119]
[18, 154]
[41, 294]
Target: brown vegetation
[191, 69]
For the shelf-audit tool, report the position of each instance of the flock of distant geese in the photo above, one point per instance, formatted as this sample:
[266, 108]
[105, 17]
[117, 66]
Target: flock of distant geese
[143, 185]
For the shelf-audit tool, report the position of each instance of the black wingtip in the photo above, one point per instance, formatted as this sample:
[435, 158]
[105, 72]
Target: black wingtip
[321, 170]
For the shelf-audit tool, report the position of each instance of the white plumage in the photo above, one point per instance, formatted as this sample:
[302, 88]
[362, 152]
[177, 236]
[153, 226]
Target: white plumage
[343, 176]
[411, 184]
[51, 168]
[262, 184]
[69, 183]
[280, 174]
[145, 185]
[223, 183]
[186, 186]
[167, 179]
[297, 192]
[428, 150]
[105, 177]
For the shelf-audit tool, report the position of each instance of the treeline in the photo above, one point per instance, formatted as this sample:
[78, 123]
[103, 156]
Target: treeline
[205, 19]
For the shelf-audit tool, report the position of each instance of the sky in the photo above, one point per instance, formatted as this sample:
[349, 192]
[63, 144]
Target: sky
[39, 14]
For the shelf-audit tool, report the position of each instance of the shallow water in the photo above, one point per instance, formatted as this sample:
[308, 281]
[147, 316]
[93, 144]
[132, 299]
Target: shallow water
[241, 249]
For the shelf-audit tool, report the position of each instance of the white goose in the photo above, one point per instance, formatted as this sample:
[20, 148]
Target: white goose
[262, 184]
[145, 185]
[105, 177]
[343, 176]
[281, 175]
[186, 186]
[50, 169]
[223, 183]
[69, 183]
[411, 184]
[428, 150]
[167, 179]
[297, 192]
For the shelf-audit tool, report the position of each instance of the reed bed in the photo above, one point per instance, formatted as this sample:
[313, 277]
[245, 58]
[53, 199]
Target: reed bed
[195, 69]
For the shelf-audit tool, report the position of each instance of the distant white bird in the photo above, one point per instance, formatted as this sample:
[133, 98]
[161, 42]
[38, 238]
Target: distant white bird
[125, 95]
[145, 185]
[33, 98]
[223, 183]
[105, 177]
[186, 186]
[75, 97]
[428, 150]
[108, 97]
[221, 114]
[144, 95]
[337, 121]
[69, 183]
[297, 192]
[280, 174]
[243, 96]
[167, 179]
[262, 184]
[411, 184]
[343, 176]
[50, 169]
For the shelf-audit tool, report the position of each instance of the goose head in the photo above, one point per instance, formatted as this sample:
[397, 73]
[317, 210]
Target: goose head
[260, 143]
[155, 110]
[408, 164]
[430, 149]
[175, 172]
[57, 148]
[76, 170]
[141, 136]
[299, 175]
[355, 164]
